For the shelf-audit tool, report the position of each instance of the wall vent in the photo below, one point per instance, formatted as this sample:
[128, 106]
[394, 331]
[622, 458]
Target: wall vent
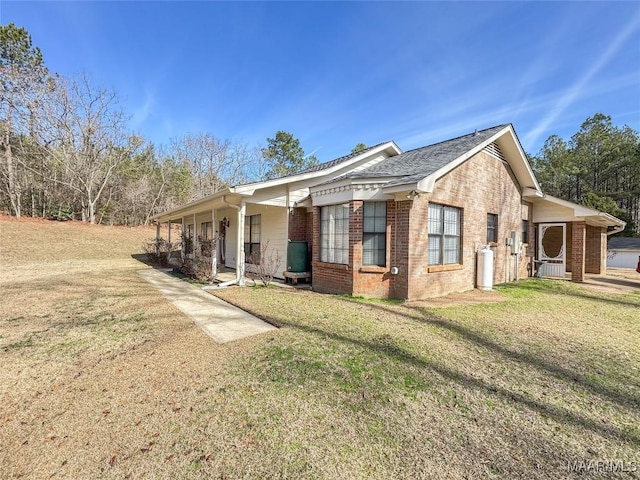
[494, 150]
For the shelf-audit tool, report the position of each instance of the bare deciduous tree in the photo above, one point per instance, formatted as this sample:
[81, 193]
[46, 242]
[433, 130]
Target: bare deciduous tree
[214, 163]
[88, 140]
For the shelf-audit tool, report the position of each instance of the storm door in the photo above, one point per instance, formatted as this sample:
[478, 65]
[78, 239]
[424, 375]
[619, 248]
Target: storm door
[552, 251]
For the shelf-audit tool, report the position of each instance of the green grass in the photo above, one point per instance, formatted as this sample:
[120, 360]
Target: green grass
[548, 374]
[95, 360]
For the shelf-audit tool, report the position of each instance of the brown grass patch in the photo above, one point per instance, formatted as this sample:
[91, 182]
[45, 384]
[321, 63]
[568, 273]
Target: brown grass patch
[103, 378]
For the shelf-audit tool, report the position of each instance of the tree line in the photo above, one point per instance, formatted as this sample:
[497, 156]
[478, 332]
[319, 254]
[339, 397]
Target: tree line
[599, 167]
[67, 153]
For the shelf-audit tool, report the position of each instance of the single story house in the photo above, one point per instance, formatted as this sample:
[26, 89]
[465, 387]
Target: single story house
[623, 252]
[388, 223]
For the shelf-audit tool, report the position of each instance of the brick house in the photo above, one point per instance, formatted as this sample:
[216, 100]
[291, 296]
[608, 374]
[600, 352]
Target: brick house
[409, 225]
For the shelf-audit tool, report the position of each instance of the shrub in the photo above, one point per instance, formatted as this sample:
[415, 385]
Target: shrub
[266, 264]
[158, 251]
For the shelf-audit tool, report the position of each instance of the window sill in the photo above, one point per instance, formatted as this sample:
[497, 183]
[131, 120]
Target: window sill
[492, 244]
[373, 269]
[332, 266]
[444, 268]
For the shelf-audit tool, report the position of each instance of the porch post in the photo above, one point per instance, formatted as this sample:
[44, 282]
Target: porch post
[195, 237]
[157, 238]
[578, 236]
[183, 238]
[214, 245]
[240, 246]
[169, 240]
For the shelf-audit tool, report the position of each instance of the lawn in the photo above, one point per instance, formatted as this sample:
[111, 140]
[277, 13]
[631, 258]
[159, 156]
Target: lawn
[102, 378]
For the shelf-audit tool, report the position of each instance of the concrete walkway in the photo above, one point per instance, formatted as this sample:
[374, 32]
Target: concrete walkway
[222, 321]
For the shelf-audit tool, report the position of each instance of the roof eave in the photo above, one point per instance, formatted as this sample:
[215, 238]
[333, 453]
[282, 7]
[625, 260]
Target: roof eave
[428, 183]
[182, 210]
[250, 188]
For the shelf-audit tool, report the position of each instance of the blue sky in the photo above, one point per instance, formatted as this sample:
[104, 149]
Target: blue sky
[335, 74]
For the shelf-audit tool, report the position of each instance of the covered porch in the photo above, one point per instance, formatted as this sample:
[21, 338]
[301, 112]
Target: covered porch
[227, 231]
[241, 229]
[571, 239]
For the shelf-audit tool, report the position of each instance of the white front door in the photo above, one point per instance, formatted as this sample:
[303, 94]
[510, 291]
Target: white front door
[552, 249]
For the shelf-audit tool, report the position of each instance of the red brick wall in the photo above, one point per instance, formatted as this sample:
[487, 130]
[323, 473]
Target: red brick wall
[595, 250]
[400, 244]
[329, 277]
[299, 230]
[370, 280]
[481, 185]
[578, 236]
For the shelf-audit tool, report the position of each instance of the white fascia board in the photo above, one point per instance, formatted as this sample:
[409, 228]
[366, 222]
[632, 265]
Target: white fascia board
[523, 156]
[528, 192]
[349, 182]
[428, 183]
[196, 205]
[606, 220]
[249, 188]
[405, 187]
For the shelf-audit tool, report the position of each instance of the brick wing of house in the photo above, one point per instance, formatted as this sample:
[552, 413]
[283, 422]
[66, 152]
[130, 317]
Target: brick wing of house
[388, 223]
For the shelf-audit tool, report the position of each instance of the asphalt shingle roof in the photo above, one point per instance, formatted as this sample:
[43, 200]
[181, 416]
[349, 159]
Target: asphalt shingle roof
[414, 165]
[624, 243]
[332, 163]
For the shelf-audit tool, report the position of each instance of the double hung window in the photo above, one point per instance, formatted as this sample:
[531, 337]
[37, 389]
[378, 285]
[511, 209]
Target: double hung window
[374, 234]
[334, 234]
[444, 234]
[252, 230]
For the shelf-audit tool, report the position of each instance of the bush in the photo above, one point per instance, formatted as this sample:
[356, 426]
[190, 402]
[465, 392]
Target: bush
[266, 263]
[61, 214]
[198, 268]
[158, 251]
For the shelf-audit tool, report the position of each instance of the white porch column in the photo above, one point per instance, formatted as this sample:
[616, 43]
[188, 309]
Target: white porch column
[183, 237]
[214, 245]
[240, 245]
[195, 237]
[157, 238]
[169, 240]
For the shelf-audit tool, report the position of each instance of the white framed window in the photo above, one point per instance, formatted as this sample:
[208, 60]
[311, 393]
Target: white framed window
[206, 230]
[374, 234]
[334, 234]
[189, 238]
[252, 231]
[444, 234]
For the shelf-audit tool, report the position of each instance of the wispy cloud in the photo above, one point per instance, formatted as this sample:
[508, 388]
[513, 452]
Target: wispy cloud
[142, 113]
[578, 88]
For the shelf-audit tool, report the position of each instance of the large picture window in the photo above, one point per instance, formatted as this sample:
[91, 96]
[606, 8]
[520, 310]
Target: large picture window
[334, 234]
[252, 230]
[374, 234]
[444, 234]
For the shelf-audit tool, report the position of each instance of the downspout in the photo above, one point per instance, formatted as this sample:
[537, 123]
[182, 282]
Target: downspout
[288, 209]
[214, 245]
[616, 229]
